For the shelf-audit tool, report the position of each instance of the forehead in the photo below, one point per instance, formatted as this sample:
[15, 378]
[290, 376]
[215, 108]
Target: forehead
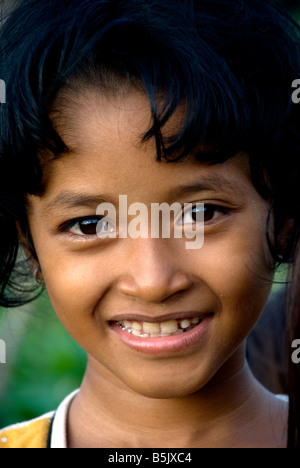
[124, 112]
[107, 156]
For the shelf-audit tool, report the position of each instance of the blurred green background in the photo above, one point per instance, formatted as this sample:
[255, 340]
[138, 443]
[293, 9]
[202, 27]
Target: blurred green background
[43, 363]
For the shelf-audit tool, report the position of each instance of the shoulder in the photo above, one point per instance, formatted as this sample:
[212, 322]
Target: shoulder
[47, 431]
[29, 434]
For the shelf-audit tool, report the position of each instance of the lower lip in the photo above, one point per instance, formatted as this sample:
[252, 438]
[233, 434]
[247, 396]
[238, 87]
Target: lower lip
[163, 345]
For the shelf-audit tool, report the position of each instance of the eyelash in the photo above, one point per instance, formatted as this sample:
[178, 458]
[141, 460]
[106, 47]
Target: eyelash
[66, 227]
[212, 207]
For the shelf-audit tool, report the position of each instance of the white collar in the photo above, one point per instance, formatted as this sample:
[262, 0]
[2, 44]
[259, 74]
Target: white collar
[58, 437]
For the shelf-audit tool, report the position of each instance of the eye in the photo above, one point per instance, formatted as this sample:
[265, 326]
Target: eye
[201, 212]
[88, 227]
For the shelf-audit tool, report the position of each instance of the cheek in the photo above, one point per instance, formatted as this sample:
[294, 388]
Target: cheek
[236, 274]
[75, 285]
[239, 273]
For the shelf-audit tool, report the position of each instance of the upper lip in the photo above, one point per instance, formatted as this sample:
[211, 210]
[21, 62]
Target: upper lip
[158, 318]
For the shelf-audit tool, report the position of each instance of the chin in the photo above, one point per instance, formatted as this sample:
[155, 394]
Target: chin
[163, 390]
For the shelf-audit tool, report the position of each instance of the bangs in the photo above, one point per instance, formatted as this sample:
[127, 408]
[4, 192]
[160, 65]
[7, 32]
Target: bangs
[224, 71]
[211, 105]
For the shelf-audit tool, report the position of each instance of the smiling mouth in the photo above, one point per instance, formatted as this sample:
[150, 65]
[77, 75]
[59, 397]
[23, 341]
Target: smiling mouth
[159, 329]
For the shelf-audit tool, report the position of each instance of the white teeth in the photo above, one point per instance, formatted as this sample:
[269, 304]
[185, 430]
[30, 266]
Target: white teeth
[137, 326]
[135, 332]
[185, 323]
[127, 324]
[159, 329]
[152, 328]
[169, 327]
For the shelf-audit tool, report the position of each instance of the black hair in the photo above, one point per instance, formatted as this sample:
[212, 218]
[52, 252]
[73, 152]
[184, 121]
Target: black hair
[230, 63]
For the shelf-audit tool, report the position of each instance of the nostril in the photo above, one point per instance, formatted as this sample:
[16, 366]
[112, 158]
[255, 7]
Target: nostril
[153, 286]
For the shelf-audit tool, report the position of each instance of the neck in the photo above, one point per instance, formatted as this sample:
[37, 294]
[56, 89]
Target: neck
[111, 415]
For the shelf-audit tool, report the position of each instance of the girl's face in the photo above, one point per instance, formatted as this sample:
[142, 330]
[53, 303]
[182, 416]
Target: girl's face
[109, 291]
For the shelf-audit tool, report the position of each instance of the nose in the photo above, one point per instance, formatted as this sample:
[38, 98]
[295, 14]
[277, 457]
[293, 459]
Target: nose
[153, 272]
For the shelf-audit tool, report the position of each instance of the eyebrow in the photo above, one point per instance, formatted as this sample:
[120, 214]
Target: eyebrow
[70, 199]
[209, 183]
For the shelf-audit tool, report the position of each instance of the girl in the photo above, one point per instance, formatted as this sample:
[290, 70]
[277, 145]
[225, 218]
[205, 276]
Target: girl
[184, 103]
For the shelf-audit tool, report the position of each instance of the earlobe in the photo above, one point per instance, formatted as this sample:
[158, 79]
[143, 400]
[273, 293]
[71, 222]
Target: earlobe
[36, 275]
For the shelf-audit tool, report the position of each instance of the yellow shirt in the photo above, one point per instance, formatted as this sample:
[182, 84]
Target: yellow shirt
[47, 431]
[31, 434]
